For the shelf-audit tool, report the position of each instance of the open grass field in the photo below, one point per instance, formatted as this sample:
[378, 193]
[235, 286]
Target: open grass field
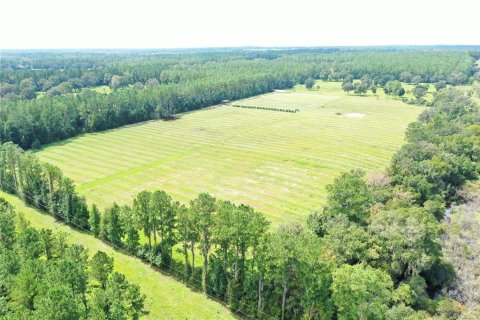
[409, 87]
[474, 89]
[102, 89]
[277, 162]
[166, 297]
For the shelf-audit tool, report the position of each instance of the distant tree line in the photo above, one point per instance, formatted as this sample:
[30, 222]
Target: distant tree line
[22, 74]
[149, 87]
[393, 87]
[352, 261]
[43, 277]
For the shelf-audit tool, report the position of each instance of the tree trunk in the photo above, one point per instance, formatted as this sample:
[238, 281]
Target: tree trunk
[242, 265]
[150, 240]
[236, 264]
[20, 177]
[150, 246]
[84, 300]
[284, 298]
[192, 249]
[50, 190]
[154, 238]
[185, 252]
[14, 173]
[260, 293]
[205, 267]
[2, 171]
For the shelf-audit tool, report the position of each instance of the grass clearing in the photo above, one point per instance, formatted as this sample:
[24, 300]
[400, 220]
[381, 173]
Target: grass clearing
[102, 89]
[277, 162]
[166, 297]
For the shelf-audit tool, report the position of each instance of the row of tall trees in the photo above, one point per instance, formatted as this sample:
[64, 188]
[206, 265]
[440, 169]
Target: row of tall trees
[31, 123]
[42, 277]
[41, 185]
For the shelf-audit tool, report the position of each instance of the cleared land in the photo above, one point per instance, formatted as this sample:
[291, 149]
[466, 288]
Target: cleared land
[277, 162]
[166, 297]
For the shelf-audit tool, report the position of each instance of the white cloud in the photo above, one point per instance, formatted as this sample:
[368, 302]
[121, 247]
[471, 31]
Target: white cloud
[167, 24]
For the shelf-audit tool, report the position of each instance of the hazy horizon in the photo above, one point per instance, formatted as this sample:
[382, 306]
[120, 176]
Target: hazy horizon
[146, 24]
[380, 46]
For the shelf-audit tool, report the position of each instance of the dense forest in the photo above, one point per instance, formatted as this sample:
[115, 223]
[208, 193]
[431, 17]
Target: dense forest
[49, 96]
[373, 252]
[43, 277]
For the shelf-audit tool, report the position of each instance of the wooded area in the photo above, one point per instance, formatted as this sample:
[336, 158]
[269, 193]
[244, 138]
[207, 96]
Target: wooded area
[151, 86]
[351, 261]
[43, 277]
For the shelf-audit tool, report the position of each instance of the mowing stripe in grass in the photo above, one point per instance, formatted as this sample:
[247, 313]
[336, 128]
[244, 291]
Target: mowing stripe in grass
[277, 162]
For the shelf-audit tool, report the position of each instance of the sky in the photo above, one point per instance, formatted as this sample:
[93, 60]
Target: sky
[26, 24]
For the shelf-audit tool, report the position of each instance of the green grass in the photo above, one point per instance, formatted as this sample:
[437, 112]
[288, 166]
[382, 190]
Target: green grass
[101, 89]
[474, 89]
[39, 94]
[408, 91]
[277, 162]
[166, 297]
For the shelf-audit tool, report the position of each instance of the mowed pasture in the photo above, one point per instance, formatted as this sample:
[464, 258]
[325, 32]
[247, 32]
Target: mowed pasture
[277, 162]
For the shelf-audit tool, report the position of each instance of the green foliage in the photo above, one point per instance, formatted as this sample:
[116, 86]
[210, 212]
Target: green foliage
[309, 83]
[55, 303]
[203, 207]
[41, 185]
[347, 86]
[101, 266]
[141, 214]
[361, 292]
[111, 228]
[119, 300]
[400, 312]
[94, 221]
[418, 287]
[54, 283]
[188, 234]
[394, 87]
[440, 85]
[406, 255]
[317, 301]
[448, 308]
[440, 155]
[163, 217]
[420, 91]
[347, 240]
[7, 225]
[403, 294]
[292, 254]
[349, 196]
[132, 236]
[436, 207]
